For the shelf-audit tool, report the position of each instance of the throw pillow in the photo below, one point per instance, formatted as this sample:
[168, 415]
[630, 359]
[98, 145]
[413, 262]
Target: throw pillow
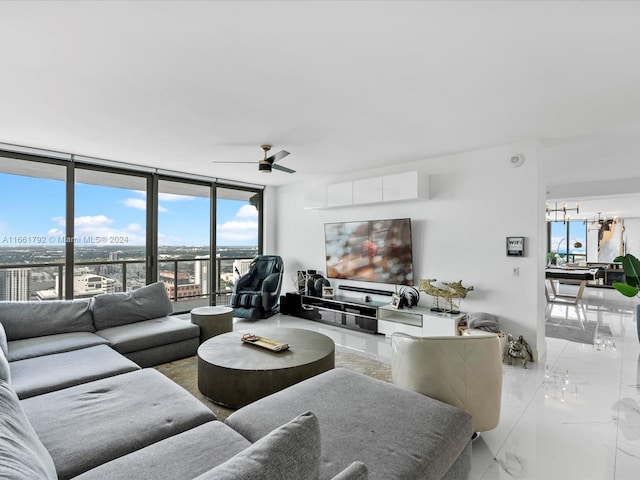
[36, 319]
[116, 309]
[23, 455]
[290, 452]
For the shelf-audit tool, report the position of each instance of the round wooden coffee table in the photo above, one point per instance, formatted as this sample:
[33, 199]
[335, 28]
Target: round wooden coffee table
[234, 374]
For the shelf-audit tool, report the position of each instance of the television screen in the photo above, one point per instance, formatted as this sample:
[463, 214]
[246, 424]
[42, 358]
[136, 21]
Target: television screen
[372, 251]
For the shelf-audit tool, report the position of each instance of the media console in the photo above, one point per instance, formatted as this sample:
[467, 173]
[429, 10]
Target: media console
[341, 311]
[372, 317]
[418, 321]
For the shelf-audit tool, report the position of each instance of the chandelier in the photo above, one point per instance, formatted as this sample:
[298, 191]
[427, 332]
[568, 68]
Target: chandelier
[604, 224]
[564, 209]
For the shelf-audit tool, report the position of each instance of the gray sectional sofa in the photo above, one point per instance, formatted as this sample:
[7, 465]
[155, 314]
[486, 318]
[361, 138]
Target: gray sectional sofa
[75, 403]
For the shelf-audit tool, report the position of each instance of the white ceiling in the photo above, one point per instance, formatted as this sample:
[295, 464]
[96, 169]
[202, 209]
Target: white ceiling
[343, 86]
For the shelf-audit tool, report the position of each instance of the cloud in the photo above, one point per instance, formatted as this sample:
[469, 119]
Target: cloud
[92, 221]
[139, 203]
[92, 230]
[247, 211]
[171, 197]
[237, 231]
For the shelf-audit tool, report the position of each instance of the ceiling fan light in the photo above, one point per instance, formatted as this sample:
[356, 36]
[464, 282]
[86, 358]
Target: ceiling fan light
[264, 167]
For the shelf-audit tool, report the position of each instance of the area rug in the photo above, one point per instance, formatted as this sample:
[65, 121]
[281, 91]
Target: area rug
[576, 331]
[185, 373]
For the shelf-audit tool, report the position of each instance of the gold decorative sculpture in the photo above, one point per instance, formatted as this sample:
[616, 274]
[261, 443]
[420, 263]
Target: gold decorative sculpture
[450, 292]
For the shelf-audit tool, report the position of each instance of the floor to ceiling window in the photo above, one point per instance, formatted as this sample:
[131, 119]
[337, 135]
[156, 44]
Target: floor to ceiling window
[184, 242]
[118, 229]
[109, 232]
[238, 238]
[33, 202]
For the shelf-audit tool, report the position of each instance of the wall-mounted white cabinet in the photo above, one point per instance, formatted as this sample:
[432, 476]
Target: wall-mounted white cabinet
[388, 188]
[315, 198]
[339, 194]
[368, 190]
[401, 186]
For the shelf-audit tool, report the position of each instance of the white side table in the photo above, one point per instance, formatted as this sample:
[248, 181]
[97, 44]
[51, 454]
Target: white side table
[212, 321]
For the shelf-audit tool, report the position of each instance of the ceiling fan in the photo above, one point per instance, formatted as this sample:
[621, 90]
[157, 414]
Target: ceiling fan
[266, 164]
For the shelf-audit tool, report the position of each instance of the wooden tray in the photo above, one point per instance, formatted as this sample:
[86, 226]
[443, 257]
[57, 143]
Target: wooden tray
[263, 342]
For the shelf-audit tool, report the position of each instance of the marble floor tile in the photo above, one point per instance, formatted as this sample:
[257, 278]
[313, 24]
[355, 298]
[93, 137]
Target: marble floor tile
[578, 415]
[574, 415]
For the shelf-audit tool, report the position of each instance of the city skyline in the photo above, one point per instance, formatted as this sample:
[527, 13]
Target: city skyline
[34, 214]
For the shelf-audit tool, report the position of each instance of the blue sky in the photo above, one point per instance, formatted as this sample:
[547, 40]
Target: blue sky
[33, 212]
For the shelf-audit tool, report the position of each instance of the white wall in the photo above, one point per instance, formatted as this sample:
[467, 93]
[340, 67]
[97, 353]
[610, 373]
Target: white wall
[476, 200]
[631, 236]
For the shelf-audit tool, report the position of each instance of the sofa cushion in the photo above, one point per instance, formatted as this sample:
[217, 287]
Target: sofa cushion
[22, 455]
[166, 353]
[93, 423]
[35, 319]
[115, 309]
[5, 371]
[38, 375]
[181, 456]
[149, 333]
[63, 342]
[3, 341]
[356, 411]
[290, 452]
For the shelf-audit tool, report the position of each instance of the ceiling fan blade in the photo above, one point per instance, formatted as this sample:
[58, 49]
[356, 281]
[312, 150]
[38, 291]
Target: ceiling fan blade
[282, 169]
[277, 156]
[234, 162]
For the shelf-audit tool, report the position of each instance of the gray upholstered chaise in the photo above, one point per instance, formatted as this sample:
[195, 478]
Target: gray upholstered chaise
[396, 433]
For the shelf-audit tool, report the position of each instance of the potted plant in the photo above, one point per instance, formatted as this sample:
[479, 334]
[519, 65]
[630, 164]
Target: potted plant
[631, 267]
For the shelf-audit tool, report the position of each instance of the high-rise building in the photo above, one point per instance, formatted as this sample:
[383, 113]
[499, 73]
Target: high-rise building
[201, 273]
[14, 284]
[111, 269]
[88, 285]
[240, 267]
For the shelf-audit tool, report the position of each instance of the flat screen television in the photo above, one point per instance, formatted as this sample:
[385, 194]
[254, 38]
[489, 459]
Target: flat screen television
[370, 251]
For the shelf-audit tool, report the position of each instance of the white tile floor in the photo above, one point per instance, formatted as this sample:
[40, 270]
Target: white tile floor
[588, 430]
